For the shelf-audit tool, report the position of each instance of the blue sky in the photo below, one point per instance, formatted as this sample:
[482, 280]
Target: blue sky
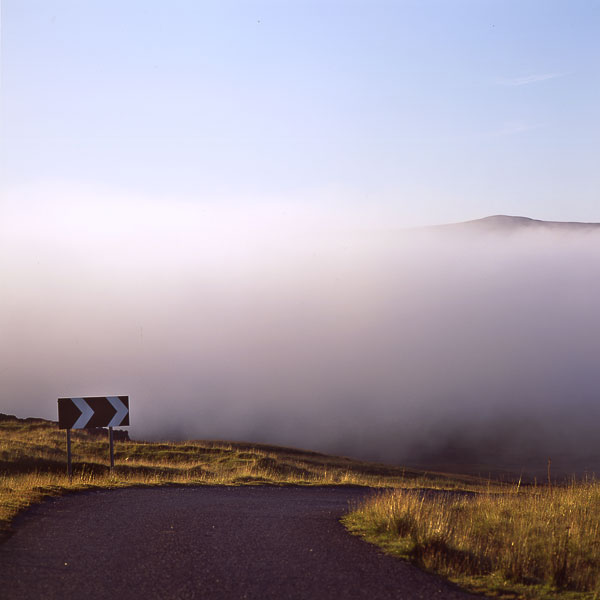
[416, 112]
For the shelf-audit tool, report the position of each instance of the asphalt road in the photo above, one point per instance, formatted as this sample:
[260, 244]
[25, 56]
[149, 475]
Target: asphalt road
[203, 542]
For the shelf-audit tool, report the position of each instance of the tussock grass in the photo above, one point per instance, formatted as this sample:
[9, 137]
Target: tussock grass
[536, 542]
[33, 465]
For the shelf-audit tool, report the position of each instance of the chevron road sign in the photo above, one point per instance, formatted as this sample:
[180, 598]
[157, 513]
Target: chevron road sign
[98, 411]
[103, 411]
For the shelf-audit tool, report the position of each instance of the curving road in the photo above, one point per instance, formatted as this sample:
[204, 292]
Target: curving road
[203, 542]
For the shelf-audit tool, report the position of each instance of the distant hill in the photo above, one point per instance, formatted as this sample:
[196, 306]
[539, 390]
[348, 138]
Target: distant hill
[506, 223]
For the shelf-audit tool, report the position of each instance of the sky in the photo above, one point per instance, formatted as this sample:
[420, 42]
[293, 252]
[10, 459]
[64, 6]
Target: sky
[406, 112]
[221, 209]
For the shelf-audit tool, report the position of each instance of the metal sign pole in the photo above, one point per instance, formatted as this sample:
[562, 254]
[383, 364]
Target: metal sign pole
[112, 451]
[69, 466]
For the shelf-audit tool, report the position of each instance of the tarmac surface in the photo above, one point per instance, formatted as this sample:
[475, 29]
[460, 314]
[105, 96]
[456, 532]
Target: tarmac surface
[204, 543]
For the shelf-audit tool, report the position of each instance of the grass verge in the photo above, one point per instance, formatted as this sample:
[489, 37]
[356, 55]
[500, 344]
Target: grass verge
[536, 542]
[33, 466]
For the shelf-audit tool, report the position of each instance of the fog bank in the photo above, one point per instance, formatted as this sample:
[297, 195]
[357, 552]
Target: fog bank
[474, 344]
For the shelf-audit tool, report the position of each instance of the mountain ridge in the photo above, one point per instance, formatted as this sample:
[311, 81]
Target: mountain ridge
[508, 222]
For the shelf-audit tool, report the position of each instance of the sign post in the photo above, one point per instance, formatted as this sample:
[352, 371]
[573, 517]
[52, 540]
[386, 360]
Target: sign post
[69, 467]
[86, 413]
[112, 451]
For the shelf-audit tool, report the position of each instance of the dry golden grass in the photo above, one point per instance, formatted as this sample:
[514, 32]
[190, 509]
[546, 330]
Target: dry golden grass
[33, 465]
[534, 542]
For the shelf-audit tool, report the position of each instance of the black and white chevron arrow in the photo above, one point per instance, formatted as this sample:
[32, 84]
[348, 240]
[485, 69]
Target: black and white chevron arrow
[100, 411]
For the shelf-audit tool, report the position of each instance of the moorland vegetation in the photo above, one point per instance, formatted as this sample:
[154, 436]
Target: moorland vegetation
[521, 542]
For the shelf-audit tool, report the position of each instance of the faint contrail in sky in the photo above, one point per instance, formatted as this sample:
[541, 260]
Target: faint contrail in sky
[527, 79]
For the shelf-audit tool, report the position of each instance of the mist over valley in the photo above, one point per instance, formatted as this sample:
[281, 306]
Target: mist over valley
[472, 346]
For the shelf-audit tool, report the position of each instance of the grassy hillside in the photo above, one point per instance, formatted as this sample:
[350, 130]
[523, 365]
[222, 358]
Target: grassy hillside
[33, 465]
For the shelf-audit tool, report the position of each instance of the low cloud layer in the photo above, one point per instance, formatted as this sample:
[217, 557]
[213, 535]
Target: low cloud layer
[474, 344]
